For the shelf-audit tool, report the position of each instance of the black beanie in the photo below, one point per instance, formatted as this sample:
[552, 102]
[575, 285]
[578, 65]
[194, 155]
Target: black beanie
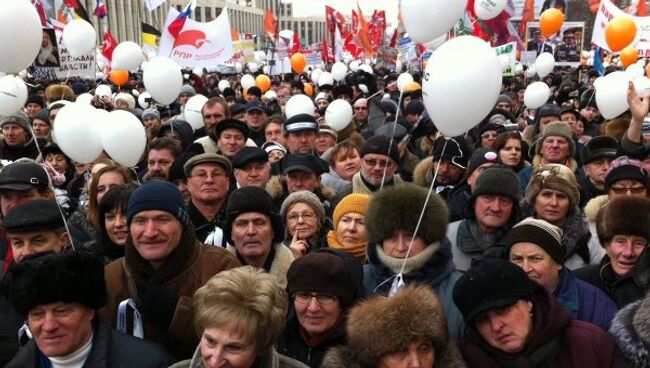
[252, 199]
[380, 144]
[158, 195]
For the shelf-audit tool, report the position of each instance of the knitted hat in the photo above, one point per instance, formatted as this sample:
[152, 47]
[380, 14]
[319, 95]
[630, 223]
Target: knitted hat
[306, 197]
[598, 147]
[75, 276]
[38, 214]
[398, 207]
[326, 129]
[19, 118]
[356, 203]
[556, 129]
[382, 325]
[455, 150]
[479, 157]
[380, 144]
[556, 177]
[35, 99]
[414, 107]
[43, 115]
[251, 199]
[625, 168]
[497, 180]
[541, 233]
[150, 114]
[490, 284]
[187, 89]
[504, 98]
[624, 216]
[158, 195]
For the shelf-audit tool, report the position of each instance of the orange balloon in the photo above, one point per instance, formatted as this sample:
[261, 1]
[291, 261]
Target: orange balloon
[119, 77]
[309, 90]
[550, 22]
[629, 56]
[263, 82]
[298, 62]
[620, 33]
[647, 71]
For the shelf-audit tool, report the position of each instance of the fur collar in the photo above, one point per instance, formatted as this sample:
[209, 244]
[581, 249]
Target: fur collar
[421, 170]
[537, 161]
[626, 333]
[344, 357]
[529, 135]
[576, 230]
[280, 264]
[412, 263]
[594, 205]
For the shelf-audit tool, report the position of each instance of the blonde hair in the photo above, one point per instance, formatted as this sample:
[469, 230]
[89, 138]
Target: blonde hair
[248, 301]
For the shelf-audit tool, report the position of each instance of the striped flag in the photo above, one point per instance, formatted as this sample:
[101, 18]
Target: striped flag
[100, 9]
[175, 27]
[77, 9]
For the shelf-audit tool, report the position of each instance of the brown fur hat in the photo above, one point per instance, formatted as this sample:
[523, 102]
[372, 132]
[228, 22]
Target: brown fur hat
[624, 216]
[57, 92]
[382, 325]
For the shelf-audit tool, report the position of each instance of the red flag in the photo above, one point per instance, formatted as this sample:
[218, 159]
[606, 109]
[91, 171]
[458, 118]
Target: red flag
[527, 15]
[355, 22]
[334, 18]
[41, 12]
[270, 23]
[78, 9]
[296, 44]
[641, 9]
[393, 39]
[108, 45]
[377, 26]
[326, 52]
[175, 27]
[364, 40]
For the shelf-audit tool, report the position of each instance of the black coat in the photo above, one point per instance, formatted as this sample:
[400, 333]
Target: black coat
[110, 349]
[10, 323]
[291, 344]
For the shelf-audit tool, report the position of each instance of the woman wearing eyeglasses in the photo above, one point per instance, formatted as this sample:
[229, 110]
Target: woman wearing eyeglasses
[305, 223]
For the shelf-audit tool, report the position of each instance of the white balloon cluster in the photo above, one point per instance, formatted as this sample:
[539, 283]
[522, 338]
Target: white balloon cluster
[163, 79]
[611, 94]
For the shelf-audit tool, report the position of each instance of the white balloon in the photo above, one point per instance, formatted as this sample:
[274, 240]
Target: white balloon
[338, 114]
[124, 139]
[641, 86]
[585, 54]
[519, 68]
[84, 98]
[436, 42]
[338, 71]
[315, 74]
[266, 69]
[163, 79]
[460, 62]
[223, 84]
[21, 34]
[79, 37]
[428, 19]
[325, 78]
[488, 9]
[270, 94]
[611, 94]
[403, 80]
[635, 70]
[597, 81]
[247, 81]
[13, 94]
[238, 67]
[536, 95]
[192, 111]
[504, 60]
[127, 56]
[398, 65]
[299, 104]
[544, 64]
[103, 90]
[198, 71]
[530, 72]
[77, 132]
[253, 67]
[366, 68]
[354, 65]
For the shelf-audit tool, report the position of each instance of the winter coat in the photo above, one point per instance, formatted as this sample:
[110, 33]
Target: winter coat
[433, 267]
[358, 186]
[10, 323]
[340, 186]
[189, 266]
[202, 226]
[584, 301]
[587, 189]
[578, 344]
[343, 357]
[282, 259]
[277, 188]
[110, 349]
[422, 176]
[630, 330]
[292, 345]
[456, 201]
[269, 360]
[466, 250]
[28, 150]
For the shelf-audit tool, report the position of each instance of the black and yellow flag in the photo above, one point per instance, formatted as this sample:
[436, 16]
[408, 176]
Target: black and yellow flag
[150, 37]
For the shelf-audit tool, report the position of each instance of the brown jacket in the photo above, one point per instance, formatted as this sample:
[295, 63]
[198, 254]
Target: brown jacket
[194, 267]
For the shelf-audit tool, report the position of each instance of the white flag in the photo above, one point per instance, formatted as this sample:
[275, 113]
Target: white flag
[153, 4]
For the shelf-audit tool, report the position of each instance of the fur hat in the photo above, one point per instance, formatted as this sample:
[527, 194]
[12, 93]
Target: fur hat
[75, 276]
[306, 197]
[398, 208]
[556, 129]
[57, 92]
[553, 176]
[624, 216]
[382, 325]
[126, 98]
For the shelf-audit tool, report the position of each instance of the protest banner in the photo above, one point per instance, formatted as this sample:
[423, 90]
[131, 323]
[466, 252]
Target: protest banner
[54, 62]
[509, 49]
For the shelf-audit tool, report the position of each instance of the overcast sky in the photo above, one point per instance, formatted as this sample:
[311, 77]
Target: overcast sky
[317, 7]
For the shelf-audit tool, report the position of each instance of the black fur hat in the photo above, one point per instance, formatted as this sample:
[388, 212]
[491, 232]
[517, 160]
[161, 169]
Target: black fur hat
[624, 216]
[74, 276]
[398, 208]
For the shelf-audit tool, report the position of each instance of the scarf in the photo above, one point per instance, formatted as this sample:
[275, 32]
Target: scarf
[312, 342]
[414, 262]
[358, 250]
[542, 357]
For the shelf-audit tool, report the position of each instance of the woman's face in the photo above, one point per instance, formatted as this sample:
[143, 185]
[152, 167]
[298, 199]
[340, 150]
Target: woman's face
[537, 263]
[418, 353]
[510, 154]
[107, 181]
[222, 348]
[302, 219]
[275, 155]
[115, 223]
[397, 245]
[348, 165]
[41, 128]
[58, 162]
[351, 229]
[506, 329]
[551, 205]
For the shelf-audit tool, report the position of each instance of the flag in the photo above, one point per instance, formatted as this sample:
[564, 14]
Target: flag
[153, 4]
[355, 22]
[326, 52]
[377, 27]
[234, 35]
[334, 18]
[175, 27]
[364, 40]
[594, 4]
[270, 24]
[150, 38]
[338, 45]
[642, 9]
[393, 39]
[40, 9]
[78, 10]
[296, 44]
[108, 45]
[100, 9]
[527, 15]
[598, 61]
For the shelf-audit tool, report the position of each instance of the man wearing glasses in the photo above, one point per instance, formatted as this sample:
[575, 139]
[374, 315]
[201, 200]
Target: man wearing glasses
[361, 114]
[379, 162]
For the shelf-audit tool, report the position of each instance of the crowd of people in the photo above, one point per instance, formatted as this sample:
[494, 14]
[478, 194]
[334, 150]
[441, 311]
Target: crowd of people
[265, 240]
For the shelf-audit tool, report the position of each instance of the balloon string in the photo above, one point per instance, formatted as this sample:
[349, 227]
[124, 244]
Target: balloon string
[392, 139]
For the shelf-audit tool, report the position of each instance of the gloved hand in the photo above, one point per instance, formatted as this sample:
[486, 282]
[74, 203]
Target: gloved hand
[157, 304]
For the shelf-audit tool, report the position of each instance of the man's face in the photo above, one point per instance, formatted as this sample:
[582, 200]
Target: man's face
[35, 242]
[253, 174]
[589, 113]
[624, 252]
[301, 180]
[252, 235]
[183, 97]
[301, 142]
[569, 118]
[361, 110]
[60, 329]
[373, 167]
[255, 119]
[506, 329]
[208, 183]
[492, 211]
[41, 128]
[213, 115]
[324, 141]
[273, 132]
[15, 135]
[504, 106]
[555, 150]
[543, 121]
[230, 142]
[151, 122]
[155, 235]
[597, 169]
[32, 109]
[10, 198]
[448, 173]
[159, 162]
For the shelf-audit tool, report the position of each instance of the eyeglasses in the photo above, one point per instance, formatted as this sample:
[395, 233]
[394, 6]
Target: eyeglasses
[382, 163]
[489, 135]
[304, 216]
[625, 190]
[305, 298]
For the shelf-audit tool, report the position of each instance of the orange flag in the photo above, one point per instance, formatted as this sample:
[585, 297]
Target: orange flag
[527, 14]
[270, 24]
[364, 39]
[234, 35]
